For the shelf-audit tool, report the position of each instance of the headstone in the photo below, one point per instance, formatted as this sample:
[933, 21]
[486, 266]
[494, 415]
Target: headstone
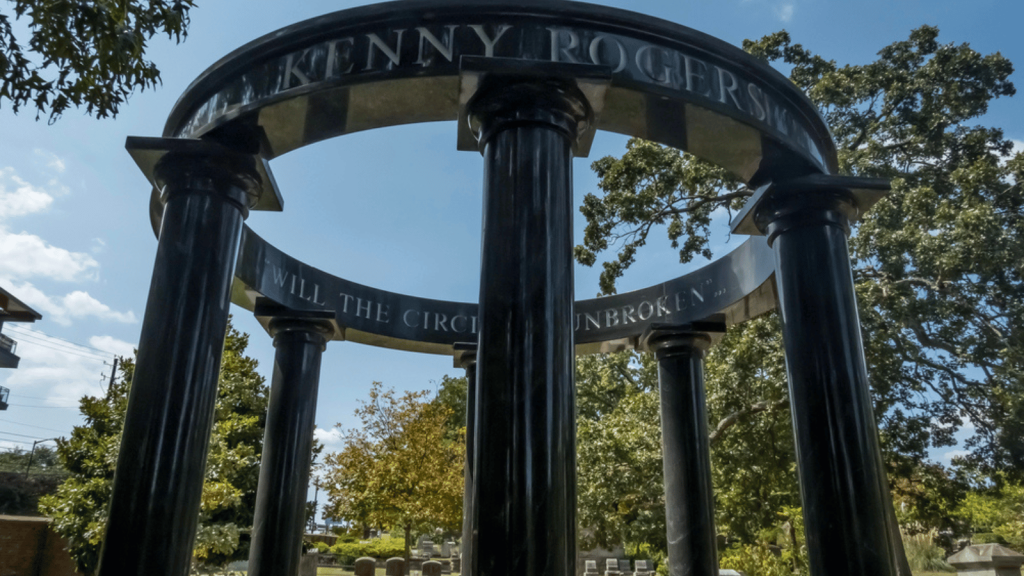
[446, 548]
[446, 566]
[395, 567]
[730, 572]
[643, 568]
[987, 560]
[365, 566]
[427, 548]
[308, 564]
[432, 568]
[373, 532]
[611, 567]
[590, 567]
[456, 564]
[624, 565]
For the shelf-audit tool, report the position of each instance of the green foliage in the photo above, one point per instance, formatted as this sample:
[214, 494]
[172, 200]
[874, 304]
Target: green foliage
[988, 538]
[384, 547]
[618, 439]
[752, 455]
[451, 393]
[759, 560]
[88, 54]
[936, 263]
[924, 554]
[78, 508]
[401, 469]
[996, 514]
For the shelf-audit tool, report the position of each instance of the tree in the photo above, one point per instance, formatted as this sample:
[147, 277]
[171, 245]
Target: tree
[936, 263]
[78, 508]
[620, 495]
[88, 54]
[398, 470]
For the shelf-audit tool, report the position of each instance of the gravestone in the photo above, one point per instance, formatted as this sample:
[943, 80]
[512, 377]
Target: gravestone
[432, 568]
[447, 548]
[643, 568]
[395, 567]
[730, 572]
[308, 564]
[365, 566]
[590, 567]
[426, 548]
[611, 567]
[987, 560]
[446, 566]
[624, 565]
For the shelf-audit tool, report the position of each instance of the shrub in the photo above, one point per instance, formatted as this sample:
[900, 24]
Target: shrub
[924, 554]
[987, 538]
[384, 547]
[758, 560]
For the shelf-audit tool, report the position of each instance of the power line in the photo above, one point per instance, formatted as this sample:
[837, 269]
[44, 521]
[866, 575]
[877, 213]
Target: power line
[15, 441]
[22, 435]
[56, 346]
[52, 407]
[26, 330]
[34, 426]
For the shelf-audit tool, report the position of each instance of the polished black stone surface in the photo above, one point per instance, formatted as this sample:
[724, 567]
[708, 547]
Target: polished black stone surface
[737, 284]
[689, 497]
[524, 456]
[280, 514]
[466, 358]
[322, 77]
[154, 506]
[845, 495]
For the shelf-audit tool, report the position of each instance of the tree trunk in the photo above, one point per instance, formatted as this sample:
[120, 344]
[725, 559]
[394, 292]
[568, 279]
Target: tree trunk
[408, 552]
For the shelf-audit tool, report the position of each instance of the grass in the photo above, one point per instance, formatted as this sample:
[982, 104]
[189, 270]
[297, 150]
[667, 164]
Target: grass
[332, 571]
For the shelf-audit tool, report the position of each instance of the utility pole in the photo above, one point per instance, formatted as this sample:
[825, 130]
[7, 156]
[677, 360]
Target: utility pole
[113, 370]
[32, 455]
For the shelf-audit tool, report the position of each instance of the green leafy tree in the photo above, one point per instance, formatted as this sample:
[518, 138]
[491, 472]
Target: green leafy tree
[400, 469]
[936, 263]
[78, 508]
[90, 54]
[618, 449]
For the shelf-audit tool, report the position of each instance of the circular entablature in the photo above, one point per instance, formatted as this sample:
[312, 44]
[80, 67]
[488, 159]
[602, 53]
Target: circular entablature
[399, 63]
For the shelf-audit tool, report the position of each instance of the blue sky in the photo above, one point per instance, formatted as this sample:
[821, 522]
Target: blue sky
[397, 209]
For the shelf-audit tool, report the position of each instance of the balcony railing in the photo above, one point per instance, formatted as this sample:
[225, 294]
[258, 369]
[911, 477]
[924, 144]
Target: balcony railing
[8, 343]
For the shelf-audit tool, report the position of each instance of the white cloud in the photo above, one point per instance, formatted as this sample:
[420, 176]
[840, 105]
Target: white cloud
[114, 345]
[79, 304]
[948, 456]
[53, 161]
[785, 11]
[25, 255]
[18, 198]
[55, 370]
[63, 310]
[331, 439]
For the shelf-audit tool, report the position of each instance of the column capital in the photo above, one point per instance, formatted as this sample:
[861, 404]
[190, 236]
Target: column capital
[172, 164]
[465, 354]
[813, 199]
[278, 320]
[498, 93]
[691, 339]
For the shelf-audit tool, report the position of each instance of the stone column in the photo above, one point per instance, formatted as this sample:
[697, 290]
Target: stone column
[845, 494]
[465, 357]
[154, 506]
[686, 451]
[528, 120]
[279, 523]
